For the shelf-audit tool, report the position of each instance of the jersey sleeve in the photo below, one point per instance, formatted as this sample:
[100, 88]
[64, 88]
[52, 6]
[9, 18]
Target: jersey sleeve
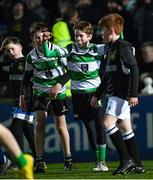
[28, 64]
[64, 79]
[57, 52]
[63, 57]
[102, 68]
[100, 49]
[127, 54]
[28, 74]
[102, 87]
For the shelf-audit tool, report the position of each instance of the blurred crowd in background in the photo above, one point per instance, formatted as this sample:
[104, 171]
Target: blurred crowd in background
[17, 16]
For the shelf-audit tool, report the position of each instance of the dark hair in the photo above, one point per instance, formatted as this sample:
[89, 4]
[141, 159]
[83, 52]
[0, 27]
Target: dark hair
[38, 27]
[118, 2]
[68, 12]
[84, 26]
[10, 39]
[113, 20]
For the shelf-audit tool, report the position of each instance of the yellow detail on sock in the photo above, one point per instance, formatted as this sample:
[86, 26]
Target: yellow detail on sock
[26, 172]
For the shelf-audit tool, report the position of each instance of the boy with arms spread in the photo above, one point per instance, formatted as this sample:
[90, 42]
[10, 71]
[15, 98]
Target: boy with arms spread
[46, 73]
[22, 122]
[120, 81]
[83, 60]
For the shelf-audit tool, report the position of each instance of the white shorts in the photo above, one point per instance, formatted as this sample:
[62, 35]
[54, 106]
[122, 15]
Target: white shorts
[118, 108]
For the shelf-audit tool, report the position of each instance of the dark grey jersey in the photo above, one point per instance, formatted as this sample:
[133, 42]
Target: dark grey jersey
[121, 76]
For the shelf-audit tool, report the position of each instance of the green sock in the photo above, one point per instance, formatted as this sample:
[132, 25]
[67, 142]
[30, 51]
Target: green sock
[102, 152]
[21, 161]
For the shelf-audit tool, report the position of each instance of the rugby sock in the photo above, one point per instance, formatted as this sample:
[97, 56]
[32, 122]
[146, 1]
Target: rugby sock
[67, 157]
[102, 152]
[132, 147]
[21, 161]
[2, 157]
[118, 142]
[28, 129]
[40, 158]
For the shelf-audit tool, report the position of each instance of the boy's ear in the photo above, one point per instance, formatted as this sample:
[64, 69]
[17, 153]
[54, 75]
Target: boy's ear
[90, 36]
[21, 47]
[112, 30]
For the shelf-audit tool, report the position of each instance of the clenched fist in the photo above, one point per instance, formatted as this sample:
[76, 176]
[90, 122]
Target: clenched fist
[46, 35]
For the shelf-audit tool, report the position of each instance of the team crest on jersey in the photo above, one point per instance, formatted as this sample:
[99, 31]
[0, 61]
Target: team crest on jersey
[20, 67]
[84, 67]
[111, 56]
[49, 74]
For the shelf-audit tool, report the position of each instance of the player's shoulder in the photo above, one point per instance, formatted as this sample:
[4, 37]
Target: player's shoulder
[54, 46]
[100, 46]
[124, 44]
[126, 47]
[71, 46]
[31, 53]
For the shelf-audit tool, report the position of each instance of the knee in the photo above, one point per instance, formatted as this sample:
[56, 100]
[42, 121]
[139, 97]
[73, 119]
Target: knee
[123, 129]
[106, 124]
[125, 125]
[61, 130]
[40, 123]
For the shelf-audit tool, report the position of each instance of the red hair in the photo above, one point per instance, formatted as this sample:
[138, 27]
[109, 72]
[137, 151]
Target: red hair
[113, 20]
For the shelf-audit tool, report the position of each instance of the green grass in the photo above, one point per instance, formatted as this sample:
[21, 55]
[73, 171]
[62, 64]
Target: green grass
[84, 171]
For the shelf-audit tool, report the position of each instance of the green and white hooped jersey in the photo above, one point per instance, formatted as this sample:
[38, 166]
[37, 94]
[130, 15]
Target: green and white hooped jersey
[83, 65]
[46, 71]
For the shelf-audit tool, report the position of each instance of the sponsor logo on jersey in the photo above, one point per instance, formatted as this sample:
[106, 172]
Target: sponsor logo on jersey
[111, 68]
[49, 74]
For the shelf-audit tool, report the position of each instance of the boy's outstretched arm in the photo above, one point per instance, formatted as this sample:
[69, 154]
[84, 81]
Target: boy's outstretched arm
[58, 52]
[50, 53]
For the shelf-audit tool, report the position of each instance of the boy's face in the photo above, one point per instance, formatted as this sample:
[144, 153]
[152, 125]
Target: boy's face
[82, 39]
[37, 39]
[14, 51]
[147, 54]
[107, 35]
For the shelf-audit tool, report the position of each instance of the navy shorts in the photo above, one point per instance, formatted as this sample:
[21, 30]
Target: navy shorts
[53, 107]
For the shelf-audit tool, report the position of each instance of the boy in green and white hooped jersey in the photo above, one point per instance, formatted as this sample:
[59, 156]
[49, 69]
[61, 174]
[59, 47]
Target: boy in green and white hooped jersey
[45, 73]
[83, 66]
